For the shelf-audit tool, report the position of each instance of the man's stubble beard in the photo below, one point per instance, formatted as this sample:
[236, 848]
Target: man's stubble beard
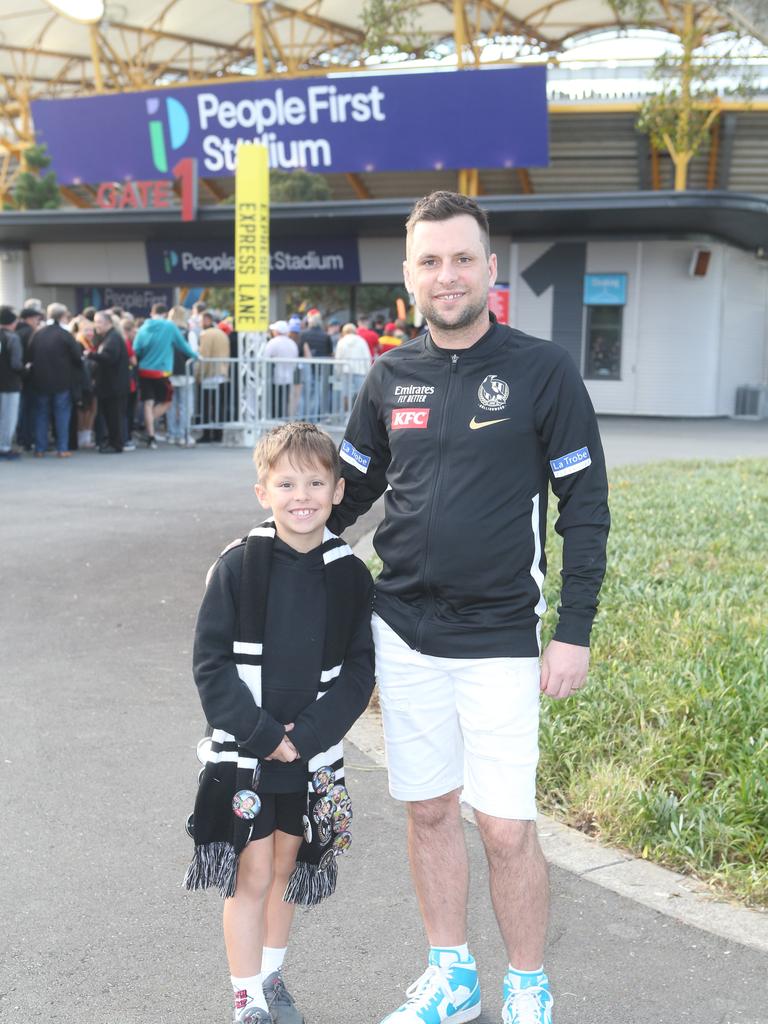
[471, 315]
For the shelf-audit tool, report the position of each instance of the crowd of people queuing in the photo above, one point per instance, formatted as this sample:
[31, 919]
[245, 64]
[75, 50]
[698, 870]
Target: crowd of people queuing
[107, 380]
[305, 389]
[79, 382]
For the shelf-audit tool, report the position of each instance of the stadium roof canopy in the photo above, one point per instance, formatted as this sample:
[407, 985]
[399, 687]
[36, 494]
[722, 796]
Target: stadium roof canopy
[61, 48]
[74, 47]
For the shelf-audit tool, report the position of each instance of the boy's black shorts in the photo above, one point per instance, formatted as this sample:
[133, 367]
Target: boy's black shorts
[280, 812]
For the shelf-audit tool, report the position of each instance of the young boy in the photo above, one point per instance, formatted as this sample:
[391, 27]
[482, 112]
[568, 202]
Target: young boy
[283, 661]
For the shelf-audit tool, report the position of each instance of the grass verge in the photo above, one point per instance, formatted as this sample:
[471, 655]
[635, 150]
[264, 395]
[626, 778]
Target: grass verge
[666, 751]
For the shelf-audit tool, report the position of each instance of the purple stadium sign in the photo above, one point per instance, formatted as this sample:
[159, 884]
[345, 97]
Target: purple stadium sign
[202, 261]
[418, 121]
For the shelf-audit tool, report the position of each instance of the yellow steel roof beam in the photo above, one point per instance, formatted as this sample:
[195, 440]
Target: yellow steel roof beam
[74, 198]
[93, 37]
[257, 26]
[714, 153]
[359, 187]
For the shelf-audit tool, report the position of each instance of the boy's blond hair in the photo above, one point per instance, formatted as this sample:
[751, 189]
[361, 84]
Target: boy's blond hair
[303, 443]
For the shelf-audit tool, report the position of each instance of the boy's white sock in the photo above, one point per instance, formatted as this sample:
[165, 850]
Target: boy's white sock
[272, 960]
[248, 992]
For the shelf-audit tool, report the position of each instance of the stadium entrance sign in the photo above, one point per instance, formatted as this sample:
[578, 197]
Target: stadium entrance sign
[291, 262]
[429, 120]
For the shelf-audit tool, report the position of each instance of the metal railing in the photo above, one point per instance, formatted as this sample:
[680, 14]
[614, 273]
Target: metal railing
[253, 394]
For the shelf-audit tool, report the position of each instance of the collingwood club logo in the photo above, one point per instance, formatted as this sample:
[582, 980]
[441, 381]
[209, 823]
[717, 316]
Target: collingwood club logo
[493, 392]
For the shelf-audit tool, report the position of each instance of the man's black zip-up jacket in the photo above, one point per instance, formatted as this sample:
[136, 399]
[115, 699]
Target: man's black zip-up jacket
[465, 443]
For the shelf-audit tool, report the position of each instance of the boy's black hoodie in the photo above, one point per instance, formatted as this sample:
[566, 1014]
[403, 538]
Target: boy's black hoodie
[297, 605]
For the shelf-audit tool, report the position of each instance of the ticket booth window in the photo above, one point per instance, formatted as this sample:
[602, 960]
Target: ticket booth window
[603, 349]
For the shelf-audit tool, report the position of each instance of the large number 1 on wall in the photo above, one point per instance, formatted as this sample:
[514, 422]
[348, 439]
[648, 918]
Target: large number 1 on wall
[562, 268]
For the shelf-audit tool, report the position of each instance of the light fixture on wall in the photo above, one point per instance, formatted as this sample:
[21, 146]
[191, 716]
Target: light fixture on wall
[700, 262]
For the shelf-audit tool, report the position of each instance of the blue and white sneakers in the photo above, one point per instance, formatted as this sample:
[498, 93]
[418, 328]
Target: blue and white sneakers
[528, 1001]
[442, 995]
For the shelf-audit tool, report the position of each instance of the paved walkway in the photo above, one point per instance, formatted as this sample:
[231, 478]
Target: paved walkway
[630, 439]
[103, 562]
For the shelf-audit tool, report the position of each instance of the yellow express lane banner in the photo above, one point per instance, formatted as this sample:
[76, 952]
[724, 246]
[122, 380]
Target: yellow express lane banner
[251, 238]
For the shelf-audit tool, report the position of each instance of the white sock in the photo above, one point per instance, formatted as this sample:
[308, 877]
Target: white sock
[248, 992]
[524, 979]
[272, 960]
[444, 956]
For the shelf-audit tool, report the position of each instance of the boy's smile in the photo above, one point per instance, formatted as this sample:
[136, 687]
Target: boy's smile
[301, 498]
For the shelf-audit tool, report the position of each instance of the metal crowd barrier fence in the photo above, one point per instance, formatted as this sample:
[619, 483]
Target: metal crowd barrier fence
[252, 394]
[215, 394]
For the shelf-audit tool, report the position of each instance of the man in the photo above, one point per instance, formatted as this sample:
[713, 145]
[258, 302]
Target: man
[195, 325]
[55, 358]
[154, 346]
[281, 346]
[391, 338]
[315, 343]
[11, 367]
[368, 335]
[212, 373]
[334, 331]
[354, 358]
[29, 320]
[111, 379]
[468, 425]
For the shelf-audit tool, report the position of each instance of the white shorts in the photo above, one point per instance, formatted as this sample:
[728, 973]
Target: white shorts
[459, 722]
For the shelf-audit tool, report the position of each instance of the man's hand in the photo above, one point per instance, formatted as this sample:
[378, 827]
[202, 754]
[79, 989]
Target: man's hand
[563, 669]
[285, 750]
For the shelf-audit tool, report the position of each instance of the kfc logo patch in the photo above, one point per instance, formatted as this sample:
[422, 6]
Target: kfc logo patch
[414, 419]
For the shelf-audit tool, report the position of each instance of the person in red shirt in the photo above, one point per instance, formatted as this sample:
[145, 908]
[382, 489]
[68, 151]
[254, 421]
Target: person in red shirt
[370, 336]
[391, 338]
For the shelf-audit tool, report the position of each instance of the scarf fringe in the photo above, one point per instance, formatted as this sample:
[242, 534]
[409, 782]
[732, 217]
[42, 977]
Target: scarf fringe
[213, 864]
[309, 883]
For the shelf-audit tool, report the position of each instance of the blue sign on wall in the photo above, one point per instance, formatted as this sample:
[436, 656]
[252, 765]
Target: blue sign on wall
[131, 298]
[605, 289]
[294, 262]
[424, 121]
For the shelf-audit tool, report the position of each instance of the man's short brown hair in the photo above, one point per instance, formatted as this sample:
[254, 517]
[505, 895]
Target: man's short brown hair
[303, 443]
[443, 206]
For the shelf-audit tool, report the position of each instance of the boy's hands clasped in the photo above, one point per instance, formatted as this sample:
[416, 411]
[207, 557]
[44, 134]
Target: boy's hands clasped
[285, 750]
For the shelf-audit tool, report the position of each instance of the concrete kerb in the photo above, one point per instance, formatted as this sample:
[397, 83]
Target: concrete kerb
[675, 895]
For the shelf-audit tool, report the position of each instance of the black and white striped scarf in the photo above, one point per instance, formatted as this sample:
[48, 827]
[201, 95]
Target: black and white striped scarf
[219, 834]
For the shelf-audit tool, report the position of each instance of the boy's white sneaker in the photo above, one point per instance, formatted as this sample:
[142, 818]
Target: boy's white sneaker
[252, 1015]
[282, 1008]
[442, 995]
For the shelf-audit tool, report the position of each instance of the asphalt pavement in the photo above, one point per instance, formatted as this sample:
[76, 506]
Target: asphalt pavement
[102, 571]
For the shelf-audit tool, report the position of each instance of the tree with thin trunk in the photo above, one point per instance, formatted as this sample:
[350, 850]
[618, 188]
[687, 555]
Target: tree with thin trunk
[678, 117]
